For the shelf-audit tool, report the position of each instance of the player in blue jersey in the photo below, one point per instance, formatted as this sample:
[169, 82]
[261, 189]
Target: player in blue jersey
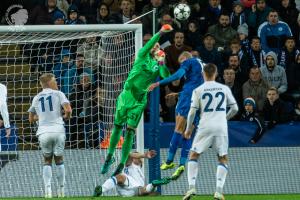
[191, 70]
[46, 108]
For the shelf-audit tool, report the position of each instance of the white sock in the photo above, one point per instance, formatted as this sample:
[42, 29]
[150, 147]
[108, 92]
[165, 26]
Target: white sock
[47, 175]
[109, 184]
[192, 173]
[61, 174]
[222, 171]
[150, 187]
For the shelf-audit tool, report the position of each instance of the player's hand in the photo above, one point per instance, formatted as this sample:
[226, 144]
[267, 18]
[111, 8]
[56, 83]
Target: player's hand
[150, 154]
[171, 96]
[187, 134]
[166, 28]
[7, 130]
[153, 86]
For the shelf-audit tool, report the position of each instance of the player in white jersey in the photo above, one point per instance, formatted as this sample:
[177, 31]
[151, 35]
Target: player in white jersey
[212, 99]
[132, 181]
[4, 110]
[46, 108]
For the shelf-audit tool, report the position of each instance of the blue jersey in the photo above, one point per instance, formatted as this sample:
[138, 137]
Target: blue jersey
[193, 74]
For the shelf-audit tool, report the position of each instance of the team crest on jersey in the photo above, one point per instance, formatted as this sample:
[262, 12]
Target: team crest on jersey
[155, 68]
[16, 15]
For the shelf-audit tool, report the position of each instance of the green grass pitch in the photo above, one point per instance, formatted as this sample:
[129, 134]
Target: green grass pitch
[228, 197]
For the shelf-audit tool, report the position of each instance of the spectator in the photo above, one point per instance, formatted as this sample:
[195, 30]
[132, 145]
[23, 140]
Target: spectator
[275, 109]
[91, 52]
[256, 54]
[288, 13]
[58, 18]
[256, 87]
[250, 115]
[273, 73]
[173, 51]
[45, 14]
[209, 54]
[115, 5]
[65, 63]
[209, 15]
[80, 98]
[125, 13]
[63, 5]
[257, 16]
[147, 20]
[73, 16]
[146, 38]
[288, 54]
[223, 32]
[238, 16]
[243, 36]
[236, 89]
[273, 33]
[193, 35]
[236, 48]
[103, 16]
[71, 78]
[241, 74]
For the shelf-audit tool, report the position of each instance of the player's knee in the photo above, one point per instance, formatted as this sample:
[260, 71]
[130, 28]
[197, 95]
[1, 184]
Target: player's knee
[58, 160]
[48, 160]
[194, 155]
[130, 130]
[120, 179]
[223, 159]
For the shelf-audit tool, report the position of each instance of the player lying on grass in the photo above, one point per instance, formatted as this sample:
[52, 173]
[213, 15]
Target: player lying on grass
[133, 99]
[191, 69]
[131, 182]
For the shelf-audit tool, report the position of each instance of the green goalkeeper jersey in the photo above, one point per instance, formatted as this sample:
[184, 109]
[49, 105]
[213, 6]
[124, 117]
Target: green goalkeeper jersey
[145, 70]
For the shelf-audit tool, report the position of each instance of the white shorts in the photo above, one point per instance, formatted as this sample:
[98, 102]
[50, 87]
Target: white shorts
[203, 141]
[52, 143]
[131, 187]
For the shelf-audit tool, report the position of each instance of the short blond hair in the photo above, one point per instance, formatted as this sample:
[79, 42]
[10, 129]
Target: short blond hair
[45, 78]
[185, 54]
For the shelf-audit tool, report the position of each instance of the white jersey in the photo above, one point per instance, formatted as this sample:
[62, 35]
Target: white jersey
[3, 105]
[212, 99]
[136, 172]
[48, 106]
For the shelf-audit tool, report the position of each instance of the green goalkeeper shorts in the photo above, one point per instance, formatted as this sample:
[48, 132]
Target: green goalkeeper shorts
[129, 110]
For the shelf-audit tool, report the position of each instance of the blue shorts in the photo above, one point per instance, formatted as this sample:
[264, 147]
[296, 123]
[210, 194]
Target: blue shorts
[183, 106]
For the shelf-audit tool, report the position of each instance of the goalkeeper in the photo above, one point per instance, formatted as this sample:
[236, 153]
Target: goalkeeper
[148, 65]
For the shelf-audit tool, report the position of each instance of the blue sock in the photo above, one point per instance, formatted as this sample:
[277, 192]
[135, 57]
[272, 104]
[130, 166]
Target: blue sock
[186, 145]
[173, 146]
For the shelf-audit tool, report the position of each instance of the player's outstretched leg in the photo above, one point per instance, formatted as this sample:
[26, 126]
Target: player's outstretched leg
[108, 185]
[186, 145]
[126, 149]
[172, 151]
[114, 139]
[162, 181]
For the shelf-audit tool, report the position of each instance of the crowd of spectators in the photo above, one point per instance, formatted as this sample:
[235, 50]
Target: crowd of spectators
[255, 45]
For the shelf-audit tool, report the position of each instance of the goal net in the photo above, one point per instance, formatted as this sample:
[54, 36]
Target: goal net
[91, 64]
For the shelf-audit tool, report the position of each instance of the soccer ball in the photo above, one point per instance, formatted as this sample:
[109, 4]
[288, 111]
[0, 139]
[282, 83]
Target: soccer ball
[182, 11]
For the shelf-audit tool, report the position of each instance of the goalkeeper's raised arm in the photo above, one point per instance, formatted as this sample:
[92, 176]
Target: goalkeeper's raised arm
[3, 108]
